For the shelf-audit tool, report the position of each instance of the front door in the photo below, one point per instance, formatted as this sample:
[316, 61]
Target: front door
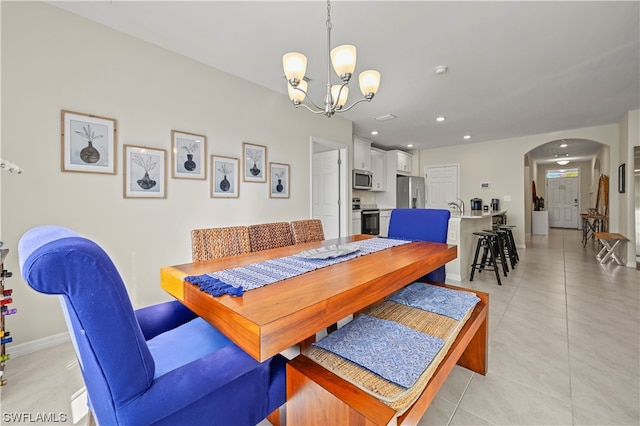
[562, 198]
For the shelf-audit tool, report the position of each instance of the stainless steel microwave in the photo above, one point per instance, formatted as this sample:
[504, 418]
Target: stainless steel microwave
[362, 179]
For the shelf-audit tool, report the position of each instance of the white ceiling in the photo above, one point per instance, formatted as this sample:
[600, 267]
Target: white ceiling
[514, 68]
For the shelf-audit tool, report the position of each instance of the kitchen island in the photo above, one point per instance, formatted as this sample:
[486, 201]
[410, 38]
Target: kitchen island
[461, 229]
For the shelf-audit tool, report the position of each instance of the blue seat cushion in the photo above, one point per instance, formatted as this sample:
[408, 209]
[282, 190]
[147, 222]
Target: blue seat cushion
[182, 345]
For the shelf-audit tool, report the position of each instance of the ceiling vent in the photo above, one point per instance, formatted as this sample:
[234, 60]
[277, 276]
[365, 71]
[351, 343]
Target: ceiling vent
[385, 117]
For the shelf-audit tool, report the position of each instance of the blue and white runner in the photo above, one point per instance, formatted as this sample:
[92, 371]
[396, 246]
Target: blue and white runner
[235, 281]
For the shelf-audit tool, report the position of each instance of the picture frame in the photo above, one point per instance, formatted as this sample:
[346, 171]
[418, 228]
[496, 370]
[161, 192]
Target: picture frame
[88, 143]
[225, 181]
[188, 155]
[254, 162]
[621, 178]
[144, 172]
[279, 180]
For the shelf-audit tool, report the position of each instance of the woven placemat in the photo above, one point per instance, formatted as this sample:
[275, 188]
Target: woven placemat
[395, 396]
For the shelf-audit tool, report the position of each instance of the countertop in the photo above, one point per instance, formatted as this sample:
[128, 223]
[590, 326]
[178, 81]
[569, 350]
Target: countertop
[456, 216]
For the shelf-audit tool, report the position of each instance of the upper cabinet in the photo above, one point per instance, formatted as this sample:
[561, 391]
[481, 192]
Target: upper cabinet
[361, 154]
[401, 162]
[379, 169]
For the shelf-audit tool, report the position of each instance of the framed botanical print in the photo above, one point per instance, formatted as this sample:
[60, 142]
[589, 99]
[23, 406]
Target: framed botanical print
[254, 163]
[224, 177]
[188, 155]
[88, 143]
[144, 172]
[278, 180]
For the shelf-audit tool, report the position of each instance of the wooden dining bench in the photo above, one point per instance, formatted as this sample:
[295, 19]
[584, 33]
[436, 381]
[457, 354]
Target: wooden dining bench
[318, 396]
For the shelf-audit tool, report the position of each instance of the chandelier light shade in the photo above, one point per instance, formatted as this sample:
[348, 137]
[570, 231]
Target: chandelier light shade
[343, 60]
[563, 162]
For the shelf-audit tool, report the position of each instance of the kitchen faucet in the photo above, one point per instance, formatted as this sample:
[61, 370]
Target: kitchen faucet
[460, 206]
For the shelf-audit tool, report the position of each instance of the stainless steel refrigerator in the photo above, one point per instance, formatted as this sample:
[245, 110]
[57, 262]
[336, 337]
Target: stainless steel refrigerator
[410, 192]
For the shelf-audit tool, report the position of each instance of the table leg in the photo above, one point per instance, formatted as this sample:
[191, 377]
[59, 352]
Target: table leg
[610, 252]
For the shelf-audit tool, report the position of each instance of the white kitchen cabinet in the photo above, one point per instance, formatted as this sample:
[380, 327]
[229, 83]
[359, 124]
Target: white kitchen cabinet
[379, 169]
[385, 218]
[399, 162]
[361, 154]
[356, 224]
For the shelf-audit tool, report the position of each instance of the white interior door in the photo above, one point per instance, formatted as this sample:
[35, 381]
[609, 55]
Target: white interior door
[562, 202]
[442, 186]
[326, 191]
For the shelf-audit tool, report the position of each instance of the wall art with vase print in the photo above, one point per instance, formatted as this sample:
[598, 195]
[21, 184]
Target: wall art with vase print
[144, 172]
[88, 143]
[224, 177]
[254, 162]
[279, 180]
[188, 156]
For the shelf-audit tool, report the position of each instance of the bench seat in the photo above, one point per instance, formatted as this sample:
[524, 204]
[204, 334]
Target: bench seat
[339, 391]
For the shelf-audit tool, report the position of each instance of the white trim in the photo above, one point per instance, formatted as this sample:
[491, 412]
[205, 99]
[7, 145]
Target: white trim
[38, 344]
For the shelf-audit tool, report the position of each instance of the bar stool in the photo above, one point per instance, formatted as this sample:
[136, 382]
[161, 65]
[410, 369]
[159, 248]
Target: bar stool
[501, 255]
[507, 251]
[512, 242]
[488, 242]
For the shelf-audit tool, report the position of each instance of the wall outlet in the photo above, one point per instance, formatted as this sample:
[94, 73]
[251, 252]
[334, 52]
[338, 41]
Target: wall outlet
[452, 235]
[507, 197]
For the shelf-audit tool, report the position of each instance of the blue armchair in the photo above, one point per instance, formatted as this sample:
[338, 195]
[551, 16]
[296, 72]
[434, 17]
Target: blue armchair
[157, 365]
[421, 225]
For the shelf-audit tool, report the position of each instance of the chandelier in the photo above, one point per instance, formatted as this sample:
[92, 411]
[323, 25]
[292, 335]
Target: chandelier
[343, 59]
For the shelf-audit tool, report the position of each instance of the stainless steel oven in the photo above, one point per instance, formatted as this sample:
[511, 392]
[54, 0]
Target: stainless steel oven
[371, 222]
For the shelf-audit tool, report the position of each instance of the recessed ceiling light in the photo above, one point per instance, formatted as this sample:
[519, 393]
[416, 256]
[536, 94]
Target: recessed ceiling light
[410, 145]
[441, 118]
[375, 132]
[467, 136]
[564, 145]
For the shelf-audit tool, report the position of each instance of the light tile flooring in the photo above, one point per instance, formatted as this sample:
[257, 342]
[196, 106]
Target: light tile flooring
[564, 349]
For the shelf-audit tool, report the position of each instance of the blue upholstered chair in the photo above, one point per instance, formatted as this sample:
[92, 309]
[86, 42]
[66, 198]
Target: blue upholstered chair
[157, 365]
[421, 225]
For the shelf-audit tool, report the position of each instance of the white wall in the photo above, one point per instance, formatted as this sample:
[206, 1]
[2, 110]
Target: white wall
[53, 60]
[502, 164]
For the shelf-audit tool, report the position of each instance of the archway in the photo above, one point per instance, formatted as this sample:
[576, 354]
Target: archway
[582, 154]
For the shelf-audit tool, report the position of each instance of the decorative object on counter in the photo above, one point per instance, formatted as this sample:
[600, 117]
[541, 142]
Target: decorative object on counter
[254, 162]
[224, 177]
[144, 172]
[9, 166]
[88, 143]
[188, 155]
[279, 180]
[476, 206]
[343, 59]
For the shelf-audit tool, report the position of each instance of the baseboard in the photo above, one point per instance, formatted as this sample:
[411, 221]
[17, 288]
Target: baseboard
[38, 345]
[454, 278]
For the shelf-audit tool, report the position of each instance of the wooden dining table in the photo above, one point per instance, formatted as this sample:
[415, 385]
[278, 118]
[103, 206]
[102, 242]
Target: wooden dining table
[267, 320]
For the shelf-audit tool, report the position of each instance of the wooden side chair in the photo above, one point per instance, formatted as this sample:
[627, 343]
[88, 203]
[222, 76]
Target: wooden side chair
[307, 230]
[270, 235]
[213, 243]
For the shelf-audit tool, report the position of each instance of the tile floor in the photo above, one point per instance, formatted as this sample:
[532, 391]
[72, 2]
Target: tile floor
[564, 349]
